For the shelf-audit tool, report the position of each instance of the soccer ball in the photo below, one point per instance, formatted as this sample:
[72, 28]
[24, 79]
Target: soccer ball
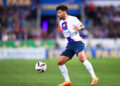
[40, 66]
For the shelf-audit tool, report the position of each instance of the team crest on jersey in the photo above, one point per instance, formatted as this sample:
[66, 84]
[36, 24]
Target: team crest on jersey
[63, 25]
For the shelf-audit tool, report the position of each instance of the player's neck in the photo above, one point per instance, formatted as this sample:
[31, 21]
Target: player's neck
[65, 17]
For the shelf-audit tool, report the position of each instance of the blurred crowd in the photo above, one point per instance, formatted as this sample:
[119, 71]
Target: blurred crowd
[102, 22]
[105, 21]
[13, 22]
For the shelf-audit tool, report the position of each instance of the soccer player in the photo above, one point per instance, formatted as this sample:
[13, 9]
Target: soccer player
[70, 26]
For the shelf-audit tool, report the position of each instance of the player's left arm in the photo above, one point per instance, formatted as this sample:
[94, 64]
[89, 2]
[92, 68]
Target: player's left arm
[78, 25]
[78, 28]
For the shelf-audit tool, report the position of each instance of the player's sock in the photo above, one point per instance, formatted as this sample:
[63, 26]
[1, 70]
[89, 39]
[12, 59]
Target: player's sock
[64, 72]
[89, 68]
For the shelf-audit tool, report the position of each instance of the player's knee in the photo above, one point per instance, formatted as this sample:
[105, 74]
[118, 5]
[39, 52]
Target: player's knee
[82, 59]
[60, 63]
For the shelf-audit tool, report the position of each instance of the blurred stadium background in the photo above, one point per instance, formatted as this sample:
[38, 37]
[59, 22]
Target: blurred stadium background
[28, 30]
[31, 26]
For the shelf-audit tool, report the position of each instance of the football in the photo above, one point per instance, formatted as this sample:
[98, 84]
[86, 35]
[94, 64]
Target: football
[40, 66]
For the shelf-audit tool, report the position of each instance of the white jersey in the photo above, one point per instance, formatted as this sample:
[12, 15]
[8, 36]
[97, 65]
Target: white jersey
[66, 26]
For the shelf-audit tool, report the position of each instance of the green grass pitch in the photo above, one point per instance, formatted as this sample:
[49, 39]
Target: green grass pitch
[22, 73]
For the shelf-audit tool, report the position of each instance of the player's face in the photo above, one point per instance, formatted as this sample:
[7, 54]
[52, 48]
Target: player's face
[61, 14]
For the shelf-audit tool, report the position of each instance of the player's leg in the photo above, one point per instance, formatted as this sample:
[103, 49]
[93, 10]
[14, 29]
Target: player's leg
[62, 60]
[65, 56]
[61, 63]
[82, 58]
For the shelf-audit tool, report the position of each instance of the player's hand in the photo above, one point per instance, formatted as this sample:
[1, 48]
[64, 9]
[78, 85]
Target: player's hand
[76, 28]
[79, 28]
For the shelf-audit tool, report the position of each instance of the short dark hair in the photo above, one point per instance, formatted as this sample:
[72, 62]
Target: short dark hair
[62, 7]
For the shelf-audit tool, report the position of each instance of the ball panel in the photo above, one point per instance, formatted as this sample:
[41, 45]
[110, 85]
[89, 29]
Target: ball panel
[40, 66]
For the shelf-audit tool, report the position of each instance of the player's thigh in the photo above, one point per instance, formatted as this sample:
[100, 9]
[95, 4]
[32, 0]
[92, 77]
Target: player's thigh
[82, 56]
[62, 60]
[65, 56]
